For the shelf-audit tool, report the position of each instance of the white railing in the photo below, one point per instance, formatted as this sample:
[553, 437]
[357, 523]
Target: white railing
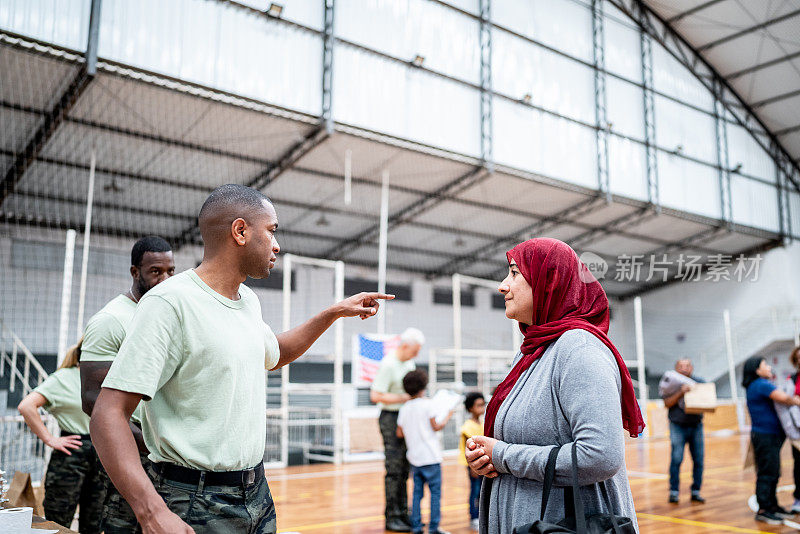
[21, 449]
[12, 350]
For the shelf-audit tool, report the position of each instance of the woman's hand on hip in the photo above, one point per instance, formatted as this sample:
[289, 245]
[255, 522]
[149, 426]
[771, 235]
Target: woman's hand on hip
[478, 453]
[65, 443]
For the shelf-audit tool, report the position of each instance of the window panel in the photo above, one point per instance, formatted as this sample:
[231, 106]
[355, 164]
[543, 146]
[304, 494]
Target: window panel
[217, 45]
[686, 185]
[623, 50]
[625, 108]
[389, 97]
[449, 41]
[553, 81]
[627, 168]
[561, 24]
[58, 22]
[754, 203]
[744, 150]
[794, 213]
[678, 125]
[530, 139]
[672, 78]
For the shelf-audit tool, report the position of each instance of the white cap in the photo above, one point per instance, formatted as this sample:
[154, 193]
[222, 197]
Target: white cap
[412, 336]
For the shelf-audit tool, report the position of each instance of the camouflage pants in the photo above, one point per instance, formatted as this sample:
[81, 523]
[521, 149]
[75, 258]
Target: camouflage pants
[243, 509]
[396, 468]
[118, 516]
[74, 480]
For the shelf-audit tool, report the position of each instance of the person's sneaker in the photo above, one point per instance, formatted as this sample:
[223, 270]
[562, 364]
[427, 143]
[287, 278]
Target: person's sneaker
[768, 518]
[696, 497]
[474, 524]
[796, 506]
[438, 531]
[673, 496]
[396, 525]
[783, 513]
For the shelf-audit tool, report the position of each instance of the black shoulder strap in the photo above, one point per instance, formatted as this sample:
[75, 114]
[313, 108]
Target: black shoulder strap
[549, 476]
[611, 513]
[580, 514]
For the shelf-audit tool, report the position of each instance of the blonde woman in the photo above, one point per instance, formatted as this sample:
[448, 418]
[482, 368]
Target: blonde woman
[73, 474]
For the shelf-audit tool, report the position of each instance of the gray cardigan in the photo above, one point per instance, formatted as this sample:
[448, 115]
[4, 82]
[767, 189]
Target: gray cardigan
[571, 393]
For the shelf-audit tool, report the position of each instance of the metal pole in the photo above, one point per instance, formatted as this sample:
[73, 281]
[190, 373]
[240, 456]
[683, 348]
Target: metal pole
[641, 377]
[287, 322]
[86, 235]
[338, 367]
[383, 243]
[457, 327]
[66, 295]
[726, 318]
[348, 177]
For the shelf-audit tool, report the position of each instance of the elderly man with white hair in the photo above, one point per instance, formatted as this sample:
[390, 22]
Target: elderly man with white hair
[387, 391]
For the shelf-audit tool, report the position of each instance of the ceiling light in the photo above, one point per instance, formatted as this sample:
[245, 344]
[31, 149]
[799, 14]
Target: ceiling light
[418, 61]
[527, 98]
[460, 242]
[275, 10]
[737, 168]
[323, 221]
[678, 149]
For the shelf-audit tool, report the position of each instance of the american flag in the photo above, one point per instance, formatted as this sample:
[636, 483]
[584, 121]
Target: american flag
[371, 350]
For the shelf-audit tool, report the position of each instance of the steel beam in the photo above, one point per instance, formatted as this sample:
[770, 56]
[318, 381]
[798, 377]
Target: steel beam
[760, 66]
[776, 98]
[55, 116]
[721, 131]
[693, 10]
[427, 202]
[600, 99]
[327, 67]
[540, 226]
[751, 29]
[265, 178]
[487, 153]
[648, 98]
[666, 36]
[629, 219]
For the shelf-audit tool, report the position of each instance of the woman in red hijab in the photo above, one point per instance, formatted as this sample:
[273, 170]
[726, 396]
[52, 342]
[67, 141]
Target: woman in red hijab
[567, 385]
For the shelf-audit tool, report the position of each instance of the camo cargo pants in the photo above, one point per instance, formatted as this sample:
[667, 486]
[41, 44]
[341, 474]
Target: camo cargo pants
[242, 509]
[397, 468]
[74, 480]
[118, 516]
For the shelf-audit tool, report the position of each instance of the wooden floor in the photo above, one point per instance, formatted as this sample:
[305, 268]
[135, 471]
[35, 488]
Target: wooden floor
[349, 498]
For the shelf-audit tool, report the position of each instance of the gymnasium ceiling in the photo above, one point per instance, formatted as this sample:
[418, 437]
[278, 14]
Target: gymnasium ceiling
[755, 47]
[162, 144]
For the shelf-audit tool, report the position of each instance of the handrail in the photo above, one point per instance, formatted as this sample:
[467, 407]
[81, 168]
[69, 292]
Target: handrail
[30, 361]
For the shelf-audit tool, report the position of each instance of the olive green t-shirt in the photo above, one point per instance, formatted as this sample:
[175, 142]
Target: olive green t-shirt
[62, 389]
[389, 378]
[200, 357]
[105, 333]
[106, 330]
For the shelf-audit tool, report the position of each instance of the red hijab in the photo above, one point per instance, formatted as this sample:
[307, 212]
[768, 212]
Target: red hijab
[566, 296]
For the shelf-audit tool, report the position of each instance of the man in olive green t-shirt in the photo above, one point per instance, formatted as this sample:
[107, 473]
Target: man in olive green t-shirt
[151, 263]
[197, 351]
[387, 391]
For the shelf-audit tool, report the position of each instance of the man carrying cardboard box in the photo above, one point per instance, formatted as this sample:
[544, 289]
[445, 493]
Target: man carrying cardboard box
[683, 428]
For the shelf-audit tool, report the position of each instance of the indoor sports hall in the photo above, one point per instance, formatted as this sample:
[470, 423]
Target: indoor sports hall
[406, 146]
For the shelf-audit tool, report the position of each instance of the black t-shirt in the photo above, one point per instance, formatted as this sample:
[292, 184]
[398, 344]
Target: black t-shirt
[678, 416]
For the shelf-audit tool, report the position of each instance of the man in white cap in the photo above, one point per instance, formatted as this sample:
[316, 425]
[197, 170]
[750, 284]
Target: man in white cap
[387, 391]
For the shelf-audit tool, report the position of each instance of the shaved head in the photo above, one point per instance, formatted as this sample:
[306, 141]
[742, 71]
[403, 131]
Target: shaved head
[239, 222]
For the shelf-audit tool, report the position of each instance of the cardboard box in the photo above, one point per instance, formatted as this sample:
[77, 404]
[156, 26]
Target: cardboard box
[701, 399]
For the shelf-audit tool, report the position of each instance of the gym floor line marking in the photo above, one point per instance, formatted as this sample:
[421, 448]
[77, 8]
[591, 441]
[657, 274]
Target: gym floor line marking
[356, 520]
[716, 526]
